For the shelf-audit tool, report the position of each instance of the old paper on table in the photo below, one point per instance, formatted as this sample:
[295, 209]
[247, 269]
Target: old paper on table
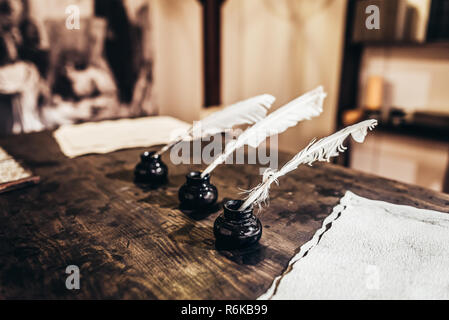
[12, 174]
[108, 136]
[10, 169]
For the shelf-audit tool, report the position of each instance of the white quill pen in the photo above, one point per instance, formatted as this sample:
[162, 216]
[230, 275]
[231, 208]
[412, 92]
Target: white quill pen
[321, 150]
[305, 107]
[248, 111]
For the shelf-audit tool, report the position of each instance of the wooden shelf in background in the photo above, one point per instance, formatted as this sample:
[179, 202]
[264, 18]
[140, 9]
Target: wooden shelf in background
[434, 133]
[403, 44]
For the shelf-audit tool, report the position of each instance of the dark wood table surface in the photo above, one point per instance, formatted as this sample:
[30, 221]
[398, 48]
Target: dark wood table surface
[134, 243]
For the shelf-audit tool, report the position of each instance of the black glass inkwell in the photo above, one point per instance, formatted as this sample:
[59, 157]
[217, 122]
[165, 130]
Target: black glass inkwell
[198, 194]
[236, 228]
[150, 170]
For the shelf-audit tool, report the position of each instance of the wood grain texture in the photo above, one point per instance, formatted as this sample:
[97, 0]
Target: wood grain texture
[134, 243]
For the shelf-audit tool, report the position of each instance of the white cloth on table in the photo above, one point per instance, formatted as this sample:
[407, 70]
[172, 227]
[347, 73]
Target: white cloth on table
[370, 249]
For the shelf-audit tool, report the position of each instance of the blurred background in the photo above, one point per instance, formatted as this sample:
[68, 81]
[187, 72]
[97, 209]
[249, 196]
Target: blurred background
[69, 61]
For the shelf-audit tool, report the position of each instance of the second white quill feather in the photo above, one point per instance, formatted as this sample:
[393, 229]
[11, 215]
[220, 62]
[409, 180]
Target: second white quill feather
[305, 107]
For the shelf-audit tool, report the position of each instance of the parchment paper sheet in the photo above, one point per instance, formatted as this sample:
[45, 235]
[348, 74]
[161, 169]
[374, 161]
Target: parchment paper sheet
[108, 136]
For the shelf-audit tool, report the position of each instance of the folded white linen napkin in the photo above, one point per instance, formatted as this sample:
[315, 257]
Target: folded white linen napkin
[107, 136]
[370, 249]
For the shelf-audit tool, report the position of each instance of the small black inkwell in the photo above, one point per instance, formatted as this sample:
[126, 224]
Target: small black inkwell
[198, 194]
[236, 228]
[150, 170]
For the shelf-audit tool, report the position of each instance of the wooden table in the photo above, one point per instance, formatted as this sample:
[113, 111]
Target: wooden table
[134, 243]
